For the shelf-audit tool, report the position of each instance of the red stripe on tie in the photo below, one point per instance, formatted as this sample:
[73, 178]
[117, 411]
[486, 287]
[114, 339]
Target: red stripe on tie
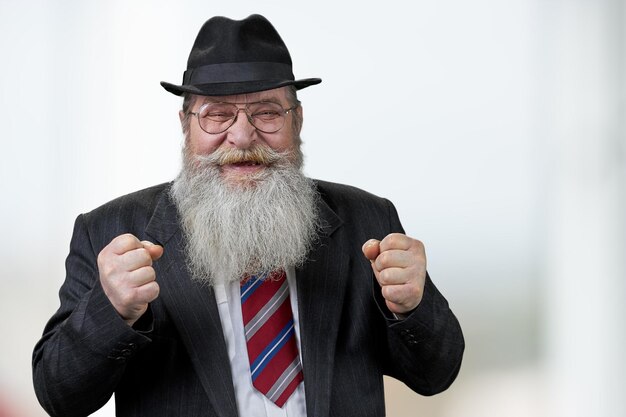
[269, 330]
[266, 379]
[257, 300]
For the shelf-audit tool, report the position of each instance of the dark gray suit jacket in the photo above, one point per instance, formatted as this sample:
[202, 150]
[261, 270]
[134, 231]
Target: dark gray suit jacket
[174, 361]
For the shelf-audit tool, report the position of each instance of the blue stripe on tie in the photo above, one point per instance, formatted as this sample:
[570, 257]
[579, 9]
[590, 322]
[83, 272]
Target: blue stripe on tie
[249, 287]
[271, 350]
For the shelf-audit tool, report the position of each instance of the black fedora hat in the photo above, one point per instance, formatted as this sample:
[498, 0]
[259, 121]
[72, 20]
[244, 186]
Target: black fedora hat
[237, 57]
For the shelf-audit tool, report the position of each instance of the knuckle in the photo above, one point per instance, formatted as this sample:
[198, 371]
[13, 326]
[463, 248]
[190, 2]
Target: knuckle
[143, 256]
[394, 237]
[106, 271]
[392, 240]
[384, 259]
[155, 290]
[104, 257]
[127, 241]
[122, 240]
[143, 276]
[106, 267]
[148, 292]
[388, 293]
[127, 298]
[146, 253]
[150, 273]
[129, 237]
[147, 256]
[384, 276]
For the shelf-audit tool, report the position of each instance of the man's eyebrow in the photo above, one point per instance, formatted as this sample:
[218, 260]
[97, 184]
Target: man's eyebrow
[270, 99]
[208, 99]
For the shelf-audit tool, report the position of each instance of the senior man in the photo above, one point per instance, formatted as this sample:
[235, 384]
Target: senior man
[243, 288]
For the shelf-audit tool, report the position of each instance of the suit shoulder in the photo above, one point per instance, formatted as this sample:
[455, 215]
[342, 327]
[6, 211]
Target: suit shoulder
[138, 204]
[136, 199]
[360, 210]
[337, 194]
[353, 204]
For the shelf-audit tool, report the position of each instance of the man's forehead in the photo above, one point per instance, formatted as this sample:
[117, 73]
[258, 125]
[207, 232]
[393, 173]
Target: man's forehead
[277, 94]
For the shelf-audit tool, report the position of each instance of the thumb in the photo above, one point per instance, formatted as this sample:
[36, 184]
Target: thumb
[371, 249]
[156, 251]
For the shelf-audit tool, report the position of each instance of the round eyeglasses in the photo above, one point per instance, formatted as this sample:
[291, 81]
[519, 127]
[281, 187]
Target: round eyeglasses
[265, 116]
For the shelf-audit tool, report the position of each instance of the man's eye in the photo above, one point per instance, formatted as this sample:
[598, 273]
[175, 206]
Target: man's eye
[266, 114]
[219, 115]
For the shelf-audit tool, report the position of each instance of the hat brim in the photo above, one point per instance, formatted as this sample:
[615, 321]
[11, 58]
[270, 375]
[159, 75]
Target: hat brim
[227, 89]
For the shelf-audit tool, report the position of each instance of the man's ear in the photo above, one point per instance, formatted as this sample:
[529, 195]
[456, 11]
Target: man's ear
[181, 116]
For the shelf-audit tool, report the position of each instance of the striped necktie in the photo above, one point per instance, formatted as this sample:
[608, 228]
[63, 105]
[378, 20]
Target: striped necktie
[270, 336]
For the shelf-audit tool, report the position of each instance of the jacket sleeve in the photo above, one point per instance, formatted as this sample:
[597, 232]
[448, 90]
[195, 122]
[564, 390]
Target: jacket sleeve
[86, 344]
[425, 349]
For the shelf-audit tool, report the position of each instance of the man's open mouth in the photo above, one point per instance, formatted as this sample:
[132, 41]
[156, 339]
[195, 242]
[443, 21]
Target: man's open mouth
[246, 163]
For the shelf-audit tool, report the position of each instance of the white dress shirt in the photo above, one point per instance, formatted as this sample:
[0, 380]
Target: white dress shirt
[250, 402]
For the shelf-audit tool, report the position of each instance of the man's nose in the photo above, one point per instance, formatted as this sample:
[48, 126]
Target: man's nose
[242, 133]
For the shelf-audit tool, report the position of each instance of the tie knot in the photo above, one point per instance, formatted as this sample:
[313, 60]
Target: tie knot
[277, 275]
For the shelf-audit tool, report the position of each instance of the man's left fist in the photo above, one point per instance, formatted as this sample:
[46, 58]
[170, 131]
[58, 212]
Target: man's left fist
[399, 264]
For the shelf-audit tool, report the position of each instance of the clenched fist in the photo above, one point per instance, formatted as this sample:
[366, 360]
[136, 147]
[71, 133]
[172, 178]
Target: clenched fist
[127, 276]
[399, 264]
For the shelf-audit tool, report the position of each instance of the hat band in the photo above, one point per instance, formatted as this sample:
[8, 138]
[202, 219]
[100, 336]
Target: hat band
[237, 72]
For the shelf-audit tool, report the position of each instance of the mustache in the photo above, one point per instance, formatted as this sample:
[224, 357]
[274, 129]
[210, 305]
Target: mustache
[258, 154]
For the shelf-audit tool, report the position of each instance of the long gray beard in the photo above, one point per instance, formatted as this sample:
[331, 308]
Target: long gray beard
[253, 227]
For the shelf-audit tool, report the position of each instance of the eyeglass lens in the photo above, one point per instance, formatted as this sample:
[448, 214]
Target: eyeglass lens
[268, 117]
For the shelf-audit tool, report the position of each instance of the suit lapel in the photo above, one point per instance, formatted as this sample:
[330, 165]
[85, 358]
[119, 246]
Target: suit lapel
[321, 289]
[193, 310]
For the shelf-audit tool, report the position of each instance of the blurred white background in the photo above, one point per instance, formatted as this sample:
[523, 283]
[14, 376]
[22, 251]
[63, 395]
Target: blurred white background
[497, 127]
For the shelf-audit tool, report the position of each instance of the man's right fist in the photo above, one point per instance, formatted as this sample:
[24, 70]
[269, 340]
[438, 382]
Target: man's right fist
[127, 276]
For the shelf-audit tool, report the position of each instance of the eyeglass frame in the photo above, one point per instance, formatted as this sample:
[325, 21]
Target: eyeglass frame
[245, 110]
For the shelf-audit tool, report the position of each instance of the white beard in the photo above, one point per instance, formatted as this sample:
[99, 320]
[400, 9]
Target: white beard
[258, 224]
